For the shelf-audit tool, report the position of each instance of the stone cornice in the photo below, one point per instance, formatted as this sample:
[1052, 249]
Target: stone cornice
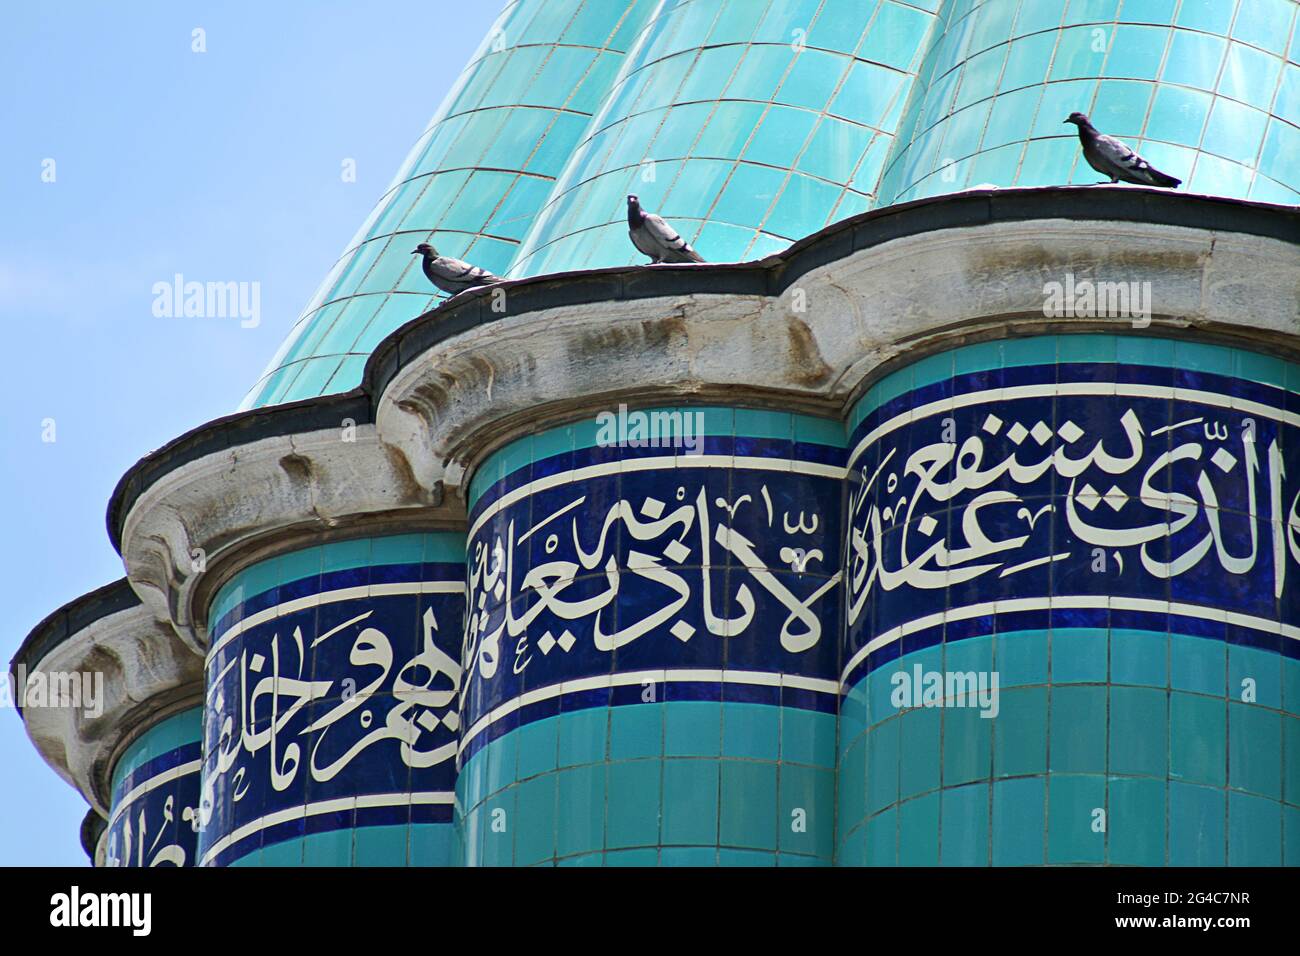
[230, 431]
[803, 329]
[809, 329]
[69, 620]
[147, 673]
[770, 277]
[196, 525]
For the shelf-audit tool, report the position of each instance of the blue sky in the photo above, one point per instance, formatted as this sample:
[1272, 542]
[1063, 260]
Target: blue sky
[222, 166]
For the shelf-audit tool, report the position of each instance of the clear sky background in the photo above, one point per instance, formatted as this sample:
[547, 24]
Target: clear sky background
[224, 166]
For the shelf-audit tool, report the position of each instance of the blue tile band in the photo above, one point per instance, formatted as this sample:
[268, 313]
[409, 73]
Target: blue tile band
[620, 569]
[332, 701]
[154, 816]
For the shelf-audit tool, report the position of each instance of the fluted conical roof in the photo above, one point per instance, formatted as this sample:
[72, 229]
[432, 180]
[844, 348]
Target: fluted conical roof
[751, 123]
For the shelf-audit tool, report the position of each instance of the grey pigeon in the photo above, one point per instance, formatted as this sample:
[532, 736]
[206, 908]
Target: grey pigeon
[1112, 158]
[655, 238]
[452, 275]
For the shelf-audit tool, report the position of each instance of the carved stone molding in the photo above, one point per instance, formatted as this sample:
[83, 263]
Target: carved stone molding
[198, 524]
[927, 291]
[143, 673]
[815, 344]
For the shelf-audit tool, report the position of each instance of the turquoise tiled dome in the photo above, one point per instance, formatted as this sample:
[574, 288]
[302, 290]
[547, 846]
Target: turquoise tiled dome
[1201, 88]
[747, 124]
[751, 123]
[471, 185]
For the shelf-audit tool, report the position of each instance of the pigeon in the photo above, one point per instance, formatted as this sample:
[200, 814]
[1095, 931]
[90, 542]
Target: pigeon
[655, 238]
[1112, 158]
[452, 275]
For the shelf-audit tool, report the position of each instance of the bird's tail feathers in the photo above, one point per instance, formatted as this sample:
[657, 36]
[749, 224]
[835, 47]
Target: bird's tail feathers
[1163, 179]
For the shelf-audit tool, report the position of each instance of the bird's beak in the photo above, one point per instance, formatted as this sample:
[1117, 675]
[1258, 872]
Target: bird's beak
[1065, 121]
[413, 251]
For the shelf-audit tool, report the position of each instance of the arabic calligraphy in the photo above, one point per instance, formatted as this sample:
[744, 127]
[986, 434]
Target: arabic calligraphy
[688, 566]
[157, 826]
[730, 563]
[1131, 496]
[349, 698]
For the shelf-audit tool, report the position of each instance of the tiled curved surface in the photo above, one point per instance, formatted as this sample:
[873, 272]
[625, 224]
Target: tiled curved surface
[153, 820]
[746, 123]
[752, 123]
[330, 714]
[1207, 90]
[1146, 654]
[525, 168]
[471, 185]
[1143, 716]
[687, 652]
[673, 783]
[648, 681]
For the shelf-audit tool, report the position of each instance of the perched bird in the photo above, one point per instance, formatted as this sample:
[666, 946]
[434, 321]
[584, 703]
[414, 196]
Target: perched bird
[1112, 158]
[655, 238]
[452, 275]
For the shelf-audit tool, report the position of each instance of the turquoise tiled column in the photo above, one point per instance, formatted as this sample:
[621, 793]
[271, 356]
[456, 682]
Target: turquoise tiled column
[650, 646]
[330, 716]
[156, 794]
[1145, 656]
[1206, 90]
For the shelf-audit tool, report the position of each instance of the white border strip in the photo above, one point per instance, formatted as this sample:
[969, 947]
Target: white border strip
[753, 678]
[657, 463]
[140, 789]
[359, 593]
[361, 802]
[996, 395]
[1066, 601]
